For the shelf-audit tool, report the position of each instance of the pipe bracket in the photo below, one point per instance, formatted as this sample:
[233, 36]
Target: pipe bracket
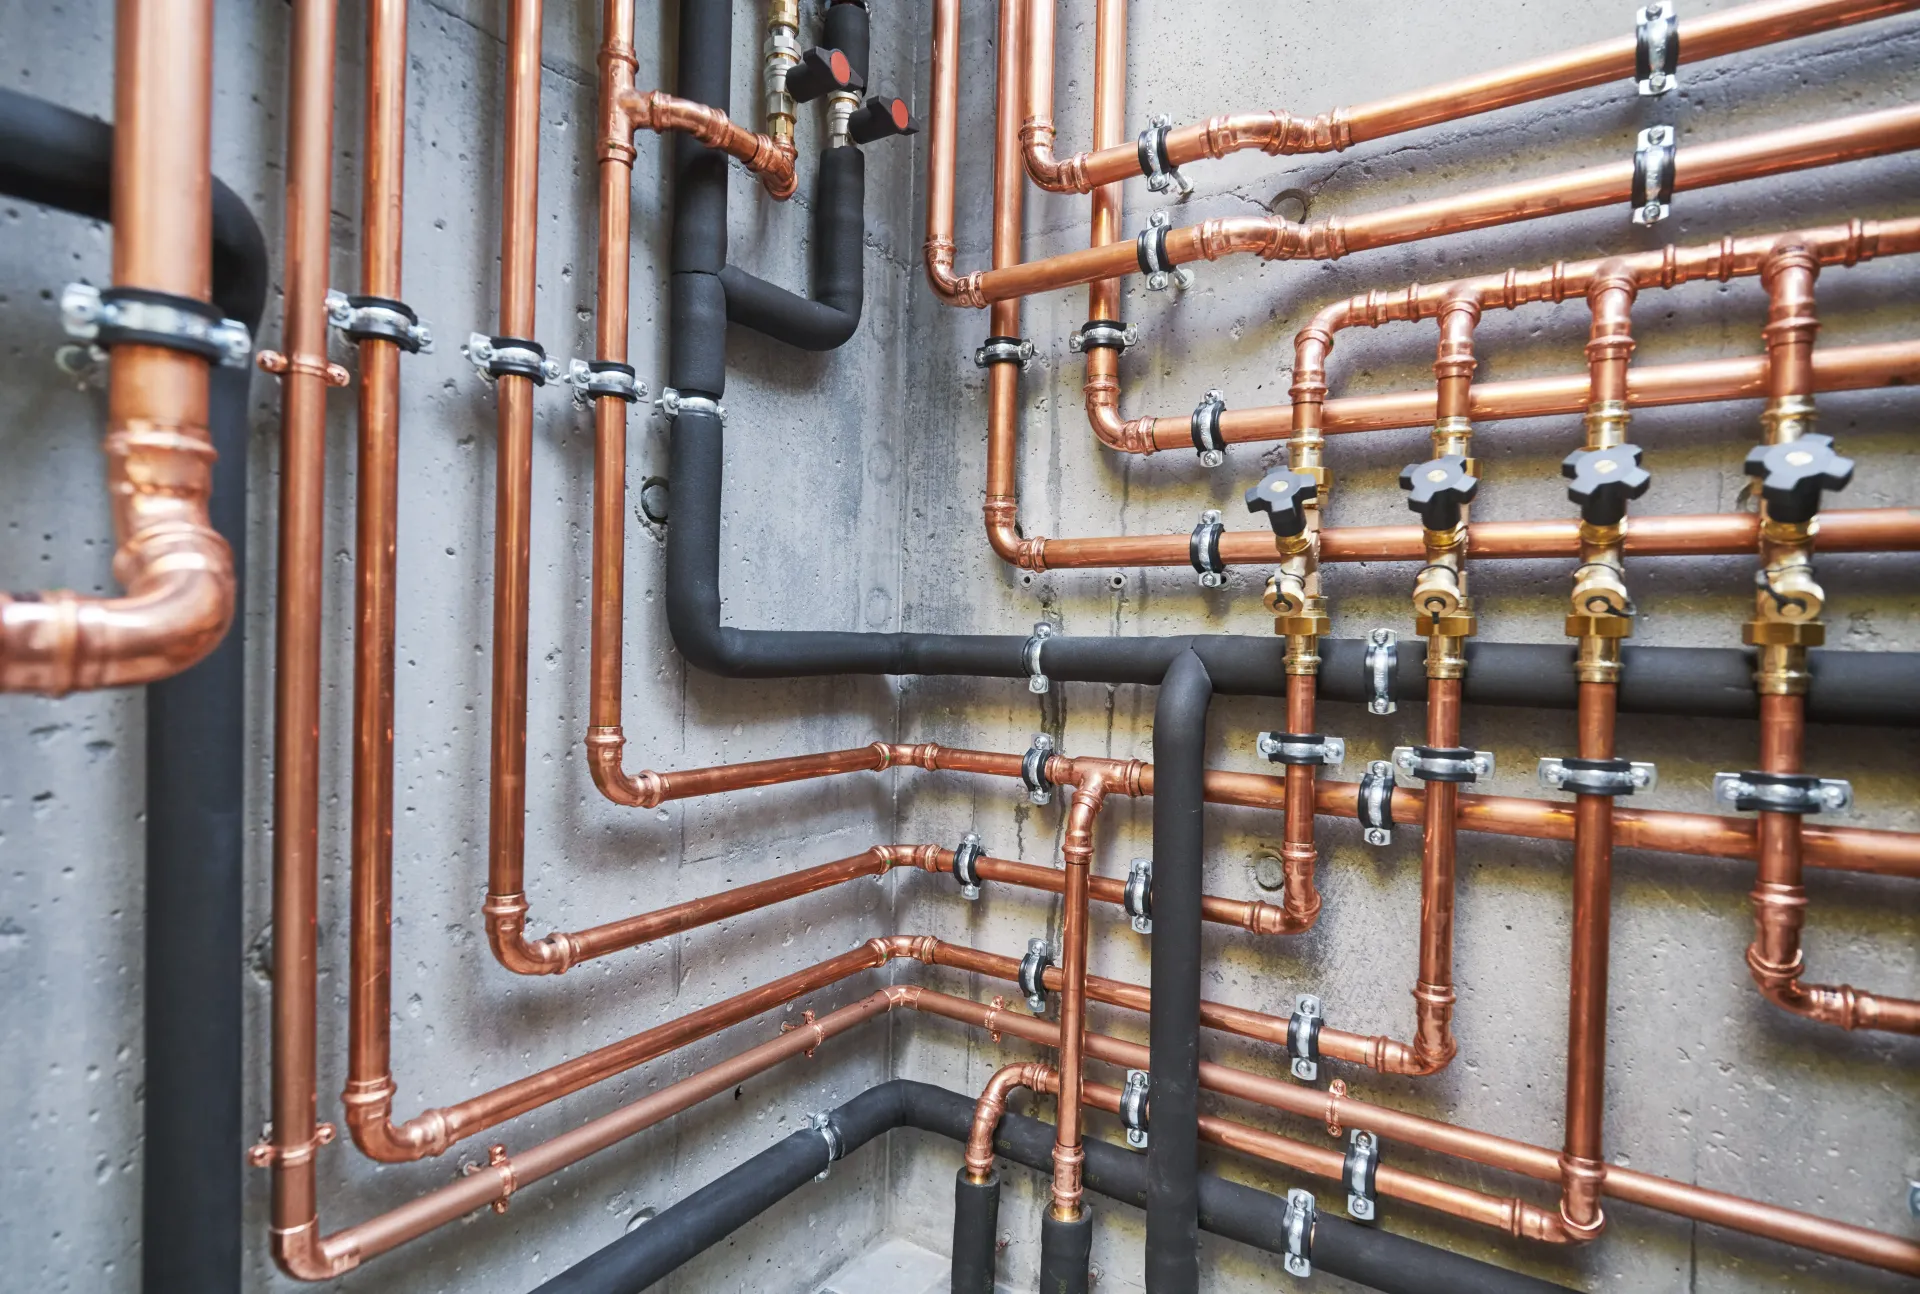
[1656, 47]
[1796, 793]
[672, 404]
[1137, 897]
[1155, 163]
[1302, 748]
[1298, 1225]
[1033, 969]
[1303, 1037]
[1383, 659]
[1653, 175]
[591, 379]
[822, 1123]
[1443, 763]
[1205, 428]
[1596, 776]
[1375, 803]
[1358, 1171]
[1004, 350]
[1151, 251]
[1203, 550]
[369, 318]
[117, 316]
[1103, 334]
[1037, 680]
[1134, 1100]
[965, 871]
[496, 357]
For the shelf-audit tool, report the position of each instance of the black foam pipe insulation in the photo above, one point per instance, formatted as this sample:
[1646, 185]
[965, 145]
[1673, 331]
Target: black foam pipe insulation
[191, 1153]
[1365, 1254]
[976, 1232]
[1173, 1026]
[1066, 1251]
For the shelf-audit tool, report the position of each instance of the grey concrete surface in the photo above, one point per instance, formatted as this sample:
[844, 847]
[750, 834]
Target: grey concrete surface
[884, 441]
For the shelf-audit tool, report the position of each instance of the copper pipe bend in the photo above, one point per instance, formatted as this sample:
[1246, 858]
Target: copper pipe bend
[993, 1103]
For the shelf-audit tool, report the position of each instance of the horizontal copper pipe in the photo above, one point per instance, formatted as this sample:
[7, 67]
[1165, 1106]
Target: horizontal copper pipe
[1821, 1235]
[1872, 530]
[1835, 368]
[1274, 238]
[1285, 134]
[768, 158]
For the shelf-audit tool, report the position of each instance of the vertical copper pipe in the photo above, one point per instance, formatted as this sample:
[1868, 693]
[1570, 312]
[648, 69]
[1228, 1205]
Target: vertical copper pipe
[176, 570]
[377, 512]
[1009, 193]
[1433, 1043]
[296, 1135]
[513, 514]
[1583, 1165]
[1076, 852]
[943, 140]
[1101, 390]
[1298, 851]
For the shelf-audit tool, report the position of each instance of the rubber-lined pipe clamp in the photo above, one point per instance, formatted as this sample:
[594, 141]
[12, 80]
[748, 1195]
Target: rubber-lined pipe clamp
[1653, 175]
[964, 870]
[1443, 763]
[591, 379]
[836, 1146]
[497, 357]
[1003, 350]
[1205, 428]
[1155, 164]
[1358, 1170]
[1383, 659]
[1302, 748]
[1375, 803]
[112, 317]
[1596, 776]
[1656, 47]
[1203, 550]
[1134, 1098]
[1032, 969]
[1782, 792]
[1298, 1227]
[1033, 769]
[672, 404]
[1103, 334]
[1303, 1037]
[368, 318]
[1137, 896]
[1037, 680]
[1150, 249]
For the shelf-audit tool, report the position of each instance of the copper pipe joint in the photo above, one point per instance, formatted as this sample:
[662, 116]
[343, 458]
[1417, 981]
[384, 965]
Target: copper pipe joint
[1433, 1043]
[1302, 905]
[1067, 1165]
[1055, 175]
[772, 160]
[1580, 1184]
[506, 920]
[605, 747]
[953, 289]
[993, 1103]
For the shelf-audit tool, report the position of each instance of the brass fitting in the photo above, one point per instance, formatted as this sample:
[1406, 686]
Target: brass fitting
[1454, 435]
[1447, 644]
[1787, 417]
[1437, 591]
[1782, 668]
[1606, 424]
[1303, 652]
[1599, 659]
[1286, 594]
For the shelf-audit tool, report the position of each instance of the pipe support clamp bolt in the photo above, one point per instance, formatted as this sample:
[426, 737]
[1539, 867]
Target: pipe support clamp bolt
[1134, 1099]
[964, 869]
[1782, 792]
[1596, 776]
[1299, 1231]
[1303, 1037]
[1032, 974]
[1137, 897]
[1302, 748]
[366, 318]
[1443, 763]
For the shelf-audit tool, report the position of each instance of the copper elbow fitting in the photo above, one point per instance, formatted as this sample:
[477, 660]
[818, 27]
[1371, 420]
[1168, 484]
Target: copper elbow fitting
[1067, 175]
[303, 1255]
[1009, 545]
[993, 1103]
[506, 920]
[369, 1117]
[605, 749]
[952, 289]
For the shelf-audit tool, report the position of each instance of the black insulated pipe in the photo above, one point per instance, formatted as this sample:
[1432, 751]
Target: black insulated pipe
[1066, 1251]
[1173, 1027]
[1367, 1255]
[976, 1232]
[191, 1160]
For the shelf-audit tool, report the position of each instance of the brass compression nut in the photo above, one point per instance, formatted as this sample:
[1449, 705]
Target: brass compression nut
[1786, 418]
[1782, 671]
[1783, 633]
[1591, 626]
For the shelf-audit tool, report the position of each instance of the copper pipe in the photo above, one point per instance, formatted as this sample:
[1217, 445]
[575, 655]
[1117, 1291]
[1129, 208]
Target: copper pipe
[1839, 1239]
[1274, 238]
[377, 511]
[766, 157]
[176, 570]
[297, 1136]
[1076, 853]
[1298, 853]
[1848, 368]
[1285, 134]
[942, 148]
[1583, 1165]
[993, 1103]
[1101, 389]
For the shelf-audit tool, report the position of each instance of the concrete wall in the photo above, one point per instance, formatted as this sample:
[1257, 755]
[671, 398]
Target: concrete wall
[884, 439]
